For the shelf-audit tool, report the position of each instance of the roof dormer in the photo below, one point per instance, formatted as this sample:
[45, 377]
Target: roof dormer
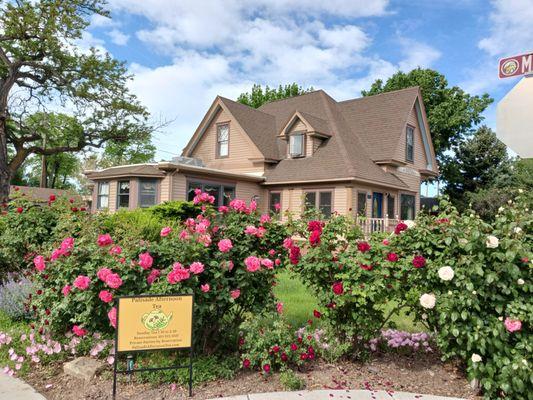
[304, 133]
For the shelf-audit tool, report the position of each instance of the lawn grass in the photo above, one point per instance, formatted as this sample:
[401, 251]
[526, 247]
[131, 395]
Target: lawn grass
[299, 303]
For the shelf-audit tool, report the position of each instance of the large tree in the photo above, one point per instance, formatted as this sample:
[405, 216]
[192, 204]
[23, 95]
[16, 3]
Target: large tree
[42, 68]
[259, 96]
[480, 163]
[452, 113]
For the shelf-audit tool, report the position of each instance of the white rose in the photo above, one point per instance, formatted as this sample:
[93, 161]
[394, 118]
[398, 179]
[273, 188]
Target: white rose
[476, 358]
[517, 229]
[450, 292]
[500, 318]
[520, 191]
[501, 209]
[409, 223]
[524, 361]
[428, 300]
[520, 281]
[446, 273]
[424, 316]
[492, 242]
[509, 201]
[474, 292]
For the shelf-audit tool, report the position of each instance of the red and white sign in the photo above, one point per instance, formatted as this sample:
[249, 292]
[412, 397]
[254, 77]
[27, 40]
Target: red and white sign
[516, 65]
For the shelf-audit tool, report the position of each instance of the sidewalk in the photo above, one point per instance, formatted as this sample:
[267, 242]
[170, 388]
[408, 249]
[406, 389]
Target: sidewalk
[14, 389]
[338, 394]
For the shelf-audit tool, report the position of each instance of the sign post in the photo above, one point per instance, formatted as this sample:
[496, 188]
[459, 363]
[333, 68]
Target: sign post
[152, 322]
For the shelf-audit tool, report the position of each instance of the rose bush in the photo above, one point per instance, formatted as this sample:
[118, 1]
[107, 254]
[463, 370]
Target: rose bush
[81, 278]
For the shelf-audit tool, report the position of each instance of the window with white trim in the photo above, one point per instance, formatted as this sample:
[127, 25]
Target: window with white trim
[102, 200]
[123, 194]
[147, 192]
[296, 145]
[410, 143]
[223, 140]
[321, 200]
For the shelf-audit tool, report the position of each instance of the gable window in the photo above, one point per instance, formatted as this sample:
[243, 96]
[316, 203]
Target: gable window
[296, 145]
[361, 204]
[274, 202]
[103, 195]
[407, 206]
[147, 192]
[409, 143]
[223, 140]
[321, 201]
[222, 193]
[123, 194]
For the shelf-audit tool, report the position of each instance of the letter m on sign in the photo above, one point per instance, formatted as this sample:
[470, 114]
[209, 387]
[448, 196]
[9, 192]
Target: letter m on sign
[527, 64]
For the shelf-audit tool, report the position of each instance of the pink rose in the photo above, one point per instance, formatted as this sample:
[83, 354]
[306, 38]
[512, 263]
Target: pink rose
[39, 263]
[116, 250]
[225, 245]
[82, 282]
[265, 262]
[145, 260]
[223, 209]
[512, 325]
[79, 331]
[56, 254]
[112, 315]
[279, 308]
[260, 232]
[166, 231]
[178, 274]
[238, 205]
[104, 240]
[235, 294]
[67, 245]
[277, 207]
[114, 281]
[106, 296]
[385, 242]
[205, 288]
[66, 290]
[252, 263]
[196, 268]
[250, 230]
[253, 205]
[288, 243]
[103, 273]
[184, 235]
[265, 218]
[230, 265]
[154, 274]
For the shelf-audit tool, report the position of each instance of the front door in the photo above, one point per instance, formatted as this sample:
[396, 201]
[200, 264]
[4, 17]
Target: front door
[377, 205]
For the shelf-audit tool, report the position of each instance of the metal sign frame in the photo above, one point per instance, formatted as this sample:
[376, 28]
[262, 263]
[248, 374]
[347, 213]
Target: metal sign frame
[131, 370]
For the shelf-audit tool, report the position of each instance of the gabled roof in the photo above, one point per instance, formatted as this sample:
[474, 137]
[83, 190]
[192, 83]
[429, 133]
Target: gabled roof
[143, 170]
[358, 133]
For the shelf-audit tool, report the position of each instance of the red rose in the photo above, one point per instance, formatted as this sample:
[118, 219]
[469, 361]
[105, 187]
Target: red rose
[246, 363]
[310, 350]
[20, 210]
[284, 357]
[317, 313]
[366, 267]
[303, 356]
[266, 368]
[294, 255]
[331, 305]
[392, 257]
[337, 287]
[314, 239]
[47, 311]
[294, 346]
[419, 261]
[275, 349]
[52, 197]
[363, 247]
[400, 228]
[314, 226]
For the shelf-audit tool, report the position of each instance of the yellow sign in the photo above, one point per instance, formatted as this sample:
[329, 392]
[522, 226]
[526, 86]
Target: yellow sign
[154, 322]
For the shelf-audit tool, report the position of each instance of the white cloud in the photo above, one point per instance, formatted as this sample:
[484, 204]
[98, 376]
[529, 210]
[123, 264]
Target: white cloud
[118, 37]
[511, 30]
[224, 47]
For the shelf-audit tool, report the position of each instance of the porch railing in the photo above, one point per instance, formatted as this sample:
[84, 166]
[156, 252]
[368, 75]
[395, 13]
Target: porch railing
[371, 225]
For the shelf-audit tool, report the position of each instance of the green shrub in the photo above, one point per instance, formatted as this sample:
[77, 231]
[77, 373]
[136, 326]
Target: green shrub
[135, 224]
[291, 381]
[176, 210]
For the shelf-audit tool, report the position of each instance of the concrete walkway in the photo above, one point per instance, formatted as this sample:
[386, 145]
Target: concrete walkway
[337, 395]
[14, 389]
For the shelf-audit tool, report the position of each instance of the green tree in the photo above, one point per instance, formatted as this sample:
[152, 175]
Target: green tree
[480, 163]
[451, 112]
[257, 97]
[42, 67]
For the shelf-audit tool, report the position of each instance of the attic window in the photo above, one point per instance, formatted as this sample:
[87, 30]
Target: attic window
[409, 143]
[296, 145]
[223, 140]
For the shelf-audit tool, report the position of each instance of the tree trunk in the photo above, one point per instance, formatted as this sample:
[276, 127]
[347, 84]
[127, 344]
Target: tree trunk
[5, 171]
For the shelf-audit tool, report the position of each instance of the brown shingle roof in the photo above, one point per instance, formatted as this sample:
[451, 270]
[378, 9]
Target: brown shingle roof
[146, 170]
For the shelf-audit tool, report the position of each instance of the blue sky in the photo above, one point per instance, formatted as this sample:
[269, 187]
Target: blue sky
[184, 53]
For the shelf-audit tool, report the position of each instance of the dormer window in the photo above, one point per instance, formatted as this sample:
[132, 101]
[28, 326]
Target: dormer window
[409, 143]
[296, 145]
[222, 140]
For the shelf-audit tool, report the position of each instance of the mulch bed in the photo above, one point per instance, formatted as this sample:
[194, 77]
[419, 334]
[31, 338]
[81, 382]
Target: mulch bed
[421, 373]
